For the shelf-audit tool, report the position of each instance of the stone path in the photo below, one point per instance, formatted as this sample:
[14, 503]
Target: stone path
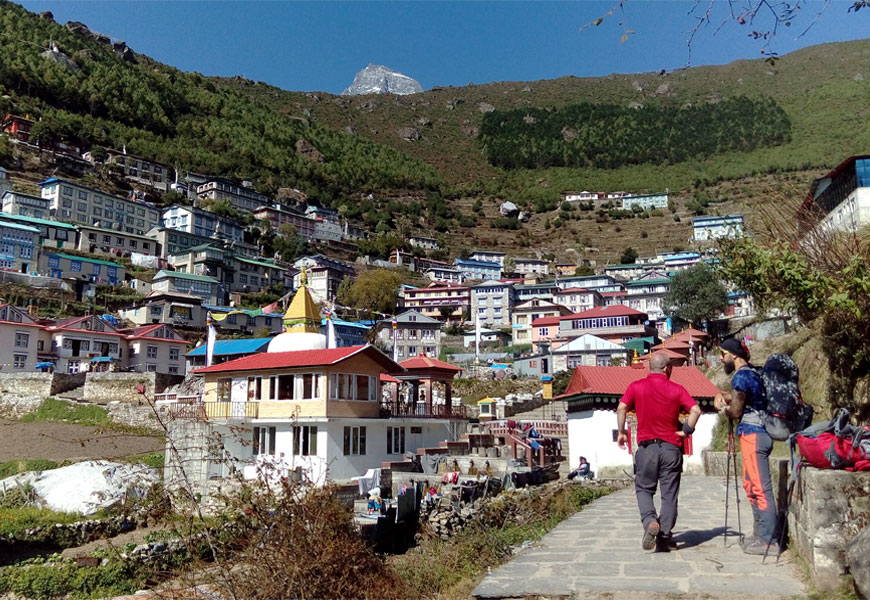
[596, 553]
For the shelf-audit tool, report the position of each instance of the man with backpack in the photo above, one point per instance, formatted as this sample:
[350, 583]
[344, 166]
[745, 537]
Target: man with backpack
[747, 403]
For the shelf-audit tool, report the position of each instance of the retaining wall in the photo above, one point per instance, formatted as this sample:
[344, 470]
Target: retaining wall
[828, 509]
[22, 393]
[136, 415]
[122, 387]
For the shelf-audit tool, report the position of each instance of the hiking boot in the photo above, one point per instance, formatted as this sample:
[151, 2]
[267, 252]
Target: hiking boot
[665, 544]
[758, 548]
[650, 533]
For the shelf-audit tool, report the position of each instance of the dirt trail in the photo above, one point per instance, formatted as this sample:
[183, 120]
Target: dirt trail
[62, 441]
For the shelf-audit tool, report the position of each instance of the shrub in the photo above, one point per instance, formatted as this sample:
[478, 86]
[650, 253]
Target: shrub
[511, 223]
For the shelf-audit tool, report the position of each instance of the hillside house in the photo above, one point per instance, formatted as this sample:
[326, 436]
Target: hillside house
[646, 294]
[526, 313]
[578, 299]
[426, 243]
[109, 241]
[454, 299]
[478, 269]
[19, 247]
[531, 266]
[202, 223]
[67, 266]
[52, 234]
[278, 215]
[713, 228]
[491, 303]
[324, 275]
[16, 203]
[17, 127]
[446, 274]
[23, 341]
[173, 308]
[588, 350]
[645, 201]
[139, 170]
[242, 197]
[599, 283]
[488, 256]
[76, 203]
[617, 324]
[207, 288]
[410, 334]
[842, 197]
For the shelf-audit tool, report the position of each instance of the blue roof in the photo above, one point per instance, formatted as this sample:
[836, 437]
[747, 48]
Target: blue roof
[477, 263]
[356, 324]
[226, 347]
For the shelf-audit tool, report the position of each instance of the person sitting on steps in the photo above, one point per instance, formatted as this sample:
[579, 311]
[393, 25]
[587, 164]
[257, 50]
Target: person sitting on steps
[583, 471]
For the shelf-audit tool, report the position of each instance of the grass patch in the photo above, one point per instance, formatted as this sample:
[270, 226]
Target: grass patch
[154, 460]
[22, 465]
[52, 410]
[16, 519]
[450, 569]
[68, 581]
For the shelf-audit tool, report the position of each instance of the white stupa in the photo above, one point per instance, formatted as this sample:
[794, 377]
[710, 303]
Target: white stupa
[301, 324]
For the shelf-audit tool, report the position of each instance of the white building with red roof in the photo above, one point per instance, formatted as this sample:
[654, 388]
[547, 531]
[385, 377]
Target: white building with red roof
[321, 413]
[592, 396]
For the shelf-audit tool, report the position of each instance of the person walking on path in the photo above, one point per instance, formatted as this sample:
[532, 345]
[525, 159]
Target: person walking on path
[659, 454]
[746, 403]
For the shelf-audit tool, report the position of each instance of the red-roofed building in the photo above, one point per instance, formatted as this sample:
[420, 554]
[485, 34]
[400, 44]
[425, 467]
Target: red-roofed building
[544, 331]
[592, 396]
[617, 323]
[526, 313]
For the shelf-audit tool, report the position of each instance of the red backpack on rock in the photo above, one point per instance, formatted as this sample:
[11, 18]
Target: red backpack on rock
[834, 445]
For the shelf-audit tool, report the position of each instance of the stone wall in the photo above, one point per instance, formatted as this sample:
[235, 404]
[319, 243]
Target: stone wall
[64, 382]
[123, 387]
[828, 509]
[22, 393]
[135, 415]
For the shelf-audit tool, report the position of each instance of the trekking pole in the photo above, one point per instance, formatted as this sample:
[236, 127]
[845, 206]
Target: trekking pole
[733, 445]
[727, 485]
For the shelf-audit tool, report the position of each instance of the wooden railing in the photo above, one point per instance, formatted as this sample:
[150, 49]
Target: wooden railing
[547, 428]
[214, 410]
[422, 411]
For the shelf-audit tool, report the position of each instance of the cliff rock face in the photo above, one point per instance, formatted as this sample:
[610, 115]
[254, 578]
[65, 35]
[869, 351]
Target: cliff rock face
[378, 79]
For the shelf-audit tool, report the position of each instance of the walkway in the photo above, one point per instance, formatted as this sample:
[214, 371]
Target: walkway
[596, 554]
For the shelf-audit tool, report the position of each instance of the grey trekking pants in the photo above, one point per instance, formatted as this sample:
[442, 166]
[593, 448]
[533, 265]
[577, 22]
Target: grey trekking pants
[658, 463]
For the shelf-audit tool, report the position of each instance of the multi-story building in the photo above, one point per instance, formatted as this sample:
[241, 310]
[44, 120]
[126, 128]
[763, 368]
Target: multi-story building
[448, 274]
[578, 299]
[437, 298]
[545, 332]
[279, 215]
[589, 350]
[491, 303]
[52, 234]
[206, 259]
[714, 228]
[173, 308]
[22, 340]
[842, 197]
[347, 333]
[531, 266]
[646, 294]
[202, 223]
[327, 225]
[645, 201]
[526, 313]
[410, 334]
[324, 275]
[207, 288]
[626, 272]
[488, 256]
[66, 266]
[246, 324]
[254, 275]
[614, 323]
[156, 349]
[426, 243]
[108, 241]
[5, 182]
[680, 261]
[139, 170]
[19, 247]
[17, 127]
[528, 291]
[599, 283]
[79, 204]
[16, 203]
[242, 197]
[319, 410]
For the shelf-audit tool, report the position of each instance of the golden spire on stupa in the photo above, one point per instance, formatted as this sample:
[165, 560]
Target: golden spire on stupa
[302, 315]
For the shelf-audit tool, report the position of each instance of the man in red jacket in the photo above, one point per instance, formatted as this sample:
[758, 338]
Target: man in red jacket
[659, 454]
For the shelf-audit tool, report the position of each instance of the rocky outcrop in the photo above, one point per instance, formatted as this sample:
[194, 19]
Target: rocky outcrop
[409, 134]
[378, 79]
[858, 561]
[309, 150]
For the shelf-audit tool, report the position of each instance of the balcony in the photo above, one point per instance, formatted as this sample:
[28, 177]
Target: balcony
[420, 410]
[190, 408]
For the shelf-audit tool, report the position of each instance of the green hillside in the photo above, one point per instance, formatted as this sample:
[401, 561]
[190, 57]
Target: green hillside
[719, 139]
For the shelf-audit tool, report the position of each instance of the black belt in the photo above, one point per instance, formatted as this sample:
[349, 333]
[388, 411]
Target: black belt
[646, 443]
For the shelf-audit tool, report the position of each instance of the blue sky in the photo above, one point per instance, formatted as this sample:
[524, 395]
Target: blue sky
[319, 46]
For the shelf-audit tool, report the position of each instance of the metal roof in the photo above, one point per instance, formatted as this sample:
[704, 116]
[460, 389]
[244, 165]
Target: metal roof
[229, 347]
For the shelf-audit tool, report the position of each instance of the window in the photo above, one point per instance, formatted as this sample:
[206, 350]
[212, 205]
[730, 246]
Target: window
[310, 386]
[83, 195]
[19, 361]
[264, 441]
[173, 370]
[152, 352]
[281, 387]
[67, 191]
[83, 207]
[224, 389]
[151, 368]
[22, 340]
[75, 266]
[362, 387]
[395, 440]
[255, 388]
[173, 354]
[354, 441]
[305, 440]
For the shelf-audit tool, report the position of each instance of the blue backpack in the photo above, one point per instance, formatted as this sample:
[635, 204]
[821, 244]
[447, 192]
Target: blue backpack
[786, 412]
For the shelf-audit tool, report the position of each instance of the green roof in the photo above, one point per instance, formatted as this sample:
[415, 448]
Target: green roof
[259, 263]
[21, 227]
[203, 246]
[90, 260]
[189, 276]
[631, 266]
[638, 282]
[11, 217]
